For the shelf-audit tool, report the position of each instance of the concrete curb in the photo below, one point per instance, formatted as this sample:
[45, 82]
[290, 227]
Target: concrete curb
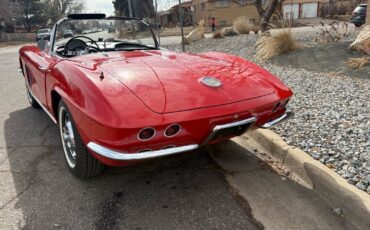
[354, 203]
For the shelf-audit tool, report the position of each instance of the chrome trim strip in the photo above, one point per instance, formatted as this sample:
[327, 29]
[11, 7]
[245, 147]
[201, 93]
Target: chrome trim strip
[123, 156]
[229, 125]
[233, 124]
[42, 106]
[285, 116]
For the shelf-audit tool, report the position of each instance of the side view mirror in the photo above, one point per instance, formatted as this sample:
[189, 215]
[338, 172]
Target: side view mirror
[42, 44]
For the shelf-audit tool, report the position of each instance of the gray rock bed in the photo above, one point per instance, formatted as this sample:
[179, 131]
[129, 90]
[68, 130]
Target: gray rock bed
[332, 121]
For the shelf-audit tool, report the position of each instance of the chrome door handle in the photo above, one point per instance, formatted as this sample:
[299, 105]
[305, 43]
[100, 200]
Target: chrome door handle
[43, 69]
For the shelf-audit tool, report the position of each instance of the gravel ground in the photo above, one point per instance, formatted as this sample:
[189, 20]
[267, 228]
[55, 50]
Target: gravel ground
[332, 121]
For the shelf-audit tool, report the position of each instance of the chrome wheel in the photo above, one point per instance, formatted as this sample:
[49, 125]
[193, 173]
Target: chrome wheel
[31, 99]
[68, 137]
[29, 96]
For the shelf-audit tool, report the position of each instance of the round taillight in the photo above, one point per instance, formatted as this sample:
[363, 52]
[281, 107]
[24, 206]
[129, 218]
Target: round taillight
[146, 134]
[172, 130]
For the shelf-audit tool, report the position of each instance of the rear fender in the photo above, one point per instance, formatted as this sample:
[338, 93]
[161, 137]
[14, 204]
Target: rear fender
[282, 90]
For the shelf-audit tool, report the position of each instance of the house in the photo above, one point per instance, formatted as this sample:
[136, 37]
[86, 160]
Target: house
[224, 11]
[187, 13]
[164, 18]
[295, 9]
[170, 18]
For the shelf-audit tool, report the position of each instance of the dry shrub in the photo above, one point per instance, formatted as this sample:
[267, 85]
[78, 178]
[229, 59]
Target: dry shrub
[333, 32]
[196, 34]
[218, 34]
[362, 42]
[358, 63]
[243, 25]
[269, 45]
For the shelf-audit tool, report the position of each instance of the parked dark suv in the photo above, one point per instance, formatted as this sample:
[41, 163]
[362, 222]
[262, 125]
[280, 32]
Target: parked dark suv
[359, 15]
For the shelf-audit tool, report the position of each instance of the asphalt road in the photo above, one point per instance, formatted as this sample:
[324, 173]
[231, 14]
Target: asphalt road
[38, 192]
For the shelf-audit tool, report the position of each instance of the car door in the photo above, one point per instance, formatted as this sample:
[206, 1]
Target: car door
[37, 70]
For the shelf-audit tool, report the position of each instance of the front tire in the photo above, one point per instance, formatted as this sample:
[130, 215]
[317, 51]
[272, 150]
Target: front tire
[79, 161]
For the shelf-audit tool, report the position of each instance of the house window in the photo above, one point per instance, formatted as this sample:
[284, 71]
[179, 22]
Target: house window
[222, 3]
[242, 2]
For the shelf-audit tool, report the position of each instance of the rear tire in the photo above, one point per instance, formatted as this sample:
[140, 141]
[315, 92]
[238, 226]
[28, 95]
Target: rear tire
[79, 161]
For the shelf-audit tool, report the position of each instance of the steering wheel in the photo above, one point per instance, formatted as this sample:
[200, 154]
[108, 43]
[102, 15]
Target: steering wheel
[79, 44]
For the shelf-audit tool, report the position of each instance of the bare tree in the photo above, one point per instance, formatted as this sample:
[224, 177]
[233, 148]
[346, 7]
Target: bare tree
[69, 6]
[265, 11]
[56, 9]
[140, 8]
[27, 12]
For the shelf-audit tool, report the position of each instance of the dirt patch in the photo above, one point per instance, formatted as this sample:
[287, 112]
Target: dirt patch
[329, 58]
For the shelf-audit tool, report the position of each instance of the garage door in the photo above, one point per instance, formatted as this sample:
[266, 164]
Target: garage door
[309, 10]
[291, 11]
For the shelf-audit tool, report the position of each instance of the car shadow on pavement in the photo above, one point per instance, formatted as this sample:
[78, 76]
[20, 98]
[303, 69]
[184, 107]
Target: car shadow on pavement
[186, 191]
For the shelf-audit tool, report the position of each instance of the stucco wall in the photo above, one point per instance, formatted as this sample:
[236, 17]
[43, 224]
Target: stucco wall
[227, 15]
[223, 15]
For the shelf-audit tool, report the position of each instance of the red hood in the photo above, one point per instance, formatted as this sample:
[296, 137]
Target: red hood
[169, 82]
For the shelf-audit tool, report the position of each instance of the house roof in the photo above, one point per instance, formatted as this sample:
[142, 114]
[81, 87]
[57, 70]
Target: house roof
[184, 5]
[160, 13]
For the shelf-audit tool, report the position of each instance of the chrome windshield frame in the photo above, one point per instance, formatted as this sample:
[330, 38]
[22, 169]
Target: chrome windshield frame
[55, 27]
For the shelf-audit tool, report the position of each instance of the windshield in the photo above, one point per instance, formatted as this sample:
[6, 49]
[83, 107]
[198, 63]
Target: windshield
[102, 35]
[43, 31]
[360, 9]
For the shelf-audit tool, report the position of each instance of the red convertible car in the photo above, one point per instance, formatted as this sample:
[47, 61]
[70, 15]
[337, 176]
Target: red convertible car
[118, 98]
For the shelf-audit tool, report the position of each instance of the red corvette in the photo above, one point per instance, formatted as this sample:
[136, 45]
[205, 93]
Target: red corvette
[119, 98]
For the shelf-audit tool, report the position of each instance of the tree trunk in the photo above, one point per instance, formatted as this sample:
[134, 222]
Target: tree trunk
[258, 4]
[27, 23]
[267, 14]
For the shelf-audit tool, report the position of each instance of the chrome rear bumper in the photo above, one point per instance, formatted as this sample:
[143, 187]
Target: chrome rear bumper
[285, 116]
[124, 156]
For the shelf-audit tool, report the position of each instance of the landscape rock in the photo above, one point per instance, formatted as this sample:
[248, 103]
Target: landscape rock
[332, 118]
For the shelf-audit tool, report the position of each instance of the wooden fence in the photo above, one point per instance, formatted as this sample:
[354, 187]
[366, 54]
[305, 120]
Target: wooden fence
[10, 37]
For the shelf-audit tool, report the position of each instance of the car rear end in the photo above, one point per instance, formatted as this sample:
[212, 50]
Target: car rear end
[359, 15]
[182, 131]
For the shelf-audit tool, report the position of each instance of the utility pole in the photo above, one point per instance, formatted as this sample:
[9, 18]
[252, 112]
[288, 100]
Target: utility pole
[157, 21]
[132, 22]
[130, 7]
[182, 27]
